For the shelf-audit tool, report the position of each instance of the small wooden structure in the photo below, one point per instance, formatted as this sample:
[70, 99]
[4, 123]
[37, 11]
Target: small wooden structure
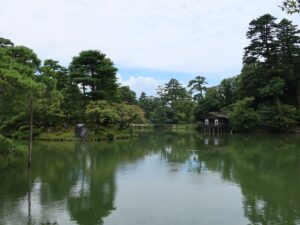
[215, 122]
[81, 131]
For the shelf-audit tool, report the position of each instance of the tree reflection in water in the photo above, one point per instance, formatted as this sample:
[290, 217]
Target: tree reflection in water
[76, 182]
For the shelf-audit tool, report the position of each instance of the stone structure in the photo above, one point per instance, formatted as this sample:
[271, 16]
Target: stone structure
[81, 131]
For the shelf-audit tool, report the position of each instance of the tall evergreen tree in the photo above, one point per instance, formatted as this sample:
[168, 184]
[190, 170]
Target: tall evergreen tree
[262, 35]
[96, 74]
[288, 40]
[197, 87]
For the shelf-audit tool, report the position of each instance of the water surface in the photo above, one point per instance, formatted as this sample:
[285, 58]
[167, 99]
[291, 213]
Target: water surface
[157, 179]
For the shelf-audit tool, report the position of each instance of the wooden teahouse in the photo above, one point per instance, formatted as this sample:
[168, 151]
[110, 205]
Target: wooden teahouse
[215, 122]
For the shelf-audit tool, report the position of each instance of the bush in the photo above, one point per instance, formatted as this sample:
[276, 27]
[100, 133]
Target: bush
[277, 119]
[7, 147]
[243, 117]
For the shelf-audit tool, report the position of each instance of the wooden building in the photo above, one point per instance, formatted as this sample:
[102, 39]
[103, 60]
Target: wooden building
[215, 122]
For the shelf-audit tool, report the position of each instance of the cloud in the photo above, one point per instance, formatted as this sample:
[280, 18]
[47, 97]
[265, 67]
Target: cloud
[189, 36]
[141, 84]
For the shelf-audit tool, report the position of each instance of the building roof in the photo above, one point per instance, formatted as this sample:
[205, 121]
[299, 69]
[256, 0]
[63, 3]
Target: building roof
[218, 115]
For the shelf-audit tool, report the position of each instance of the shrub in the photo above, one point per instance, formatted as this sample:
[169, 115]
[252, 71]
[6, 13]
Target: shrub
[277, 119]
[243, 117]
[7, 147]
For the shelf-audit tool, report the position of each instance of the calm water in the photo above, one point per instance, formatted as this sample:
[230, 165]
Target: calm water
[157, 179]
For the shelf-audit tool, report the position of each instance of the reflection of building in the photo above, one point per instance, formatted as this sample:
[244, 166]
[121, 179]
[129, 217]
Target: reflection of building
[215, 122]
[216, 141]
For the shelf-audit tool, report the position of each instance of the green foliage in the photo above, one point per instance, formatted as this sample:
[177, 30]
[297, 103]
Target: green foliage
[51, 69]
[5, 42]
[73, 104]
[243, 117]
[262, 34]
[197, 87]
[18, 84]
[7, 147]
[127, 95]
[211, 102]
[102, 112]
[129, 114]
[291, 6]
[108, 113]
[159, 116]
[228, 91]
[178, 100]
[274, 87]
[149, 104]
[96, 74]
[276, 119]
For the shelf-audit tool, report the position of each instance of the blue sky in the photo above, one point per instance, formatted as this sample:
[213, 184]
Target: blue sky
[150, 41]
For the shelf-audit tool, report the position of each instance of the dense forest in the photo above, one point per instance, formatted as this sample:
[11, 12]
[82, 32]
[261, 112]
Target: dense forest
[264, 96]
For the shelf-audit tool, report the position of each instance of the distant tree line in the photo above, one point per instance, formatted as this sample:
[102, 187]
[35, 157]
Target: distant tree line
[266, 95]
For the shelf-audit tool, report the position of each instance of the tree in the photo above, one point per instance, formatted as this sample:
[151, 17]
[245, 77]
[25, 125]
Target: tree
[102, 113]
[197, 87]
[172, 93]
[159, 116]
[127, 95]
[228, 91]
[291, 6]
[53, 70]
[274, 119]
[243, 117]
[149, 104]
[175, 96]
[96, 74]
[210, 102]
[129, 114]
[262, 35]
[5, 42]
[289, 57]
[73, 104]
[18, 66]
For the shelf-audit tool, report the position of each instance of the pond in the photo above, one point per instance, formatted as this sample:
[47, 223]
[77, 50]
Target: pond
[159, 178]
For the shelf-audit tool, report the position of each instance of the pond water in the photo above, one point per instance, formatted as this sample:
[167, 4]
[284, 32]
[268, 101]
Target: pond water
[160, 178]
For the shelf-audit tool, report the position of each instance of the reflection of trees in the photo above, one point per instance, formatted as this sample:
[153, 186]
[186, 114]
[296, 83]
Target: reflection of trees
[267, 170]
[82, 176]
[265, 167]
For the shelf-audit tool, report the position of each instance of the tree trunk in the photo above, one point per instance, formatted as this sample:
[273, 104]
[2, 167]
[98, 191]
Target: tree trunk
[84, 97]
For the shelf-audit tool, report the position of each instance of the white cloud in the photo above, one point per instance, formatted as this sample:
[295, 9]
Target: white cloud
[141, 84]
[195, 36]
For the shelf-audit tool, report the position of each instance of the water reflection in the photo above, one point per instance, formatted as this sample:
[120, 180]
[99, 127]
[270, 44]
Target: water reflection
[77, 183]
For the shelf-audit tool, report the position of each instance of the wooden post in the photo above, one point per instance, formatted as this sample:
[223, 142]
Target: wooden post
[30, 132]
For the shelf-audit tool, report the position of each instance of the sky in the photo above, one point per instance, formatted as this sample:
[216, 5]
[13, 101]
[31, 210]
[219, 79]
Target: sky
[150, 41]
